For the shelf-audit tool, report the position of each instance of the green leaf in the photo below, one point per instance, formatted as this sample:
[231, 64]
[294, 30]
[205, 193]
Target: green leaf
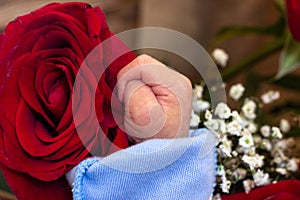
[252, 59]
[290, 58]
[3, 184]
[280, 5]
[226, 33]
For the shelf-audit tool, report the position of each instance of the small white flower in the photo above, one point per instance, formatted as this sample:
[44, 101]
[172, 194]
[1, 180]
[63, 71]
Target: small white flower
[246, 132]
[241, 120]
[222, 126]
[281, 171]
[223, 111]
[198, 91]
[220, 170]
[257, 139]
[281, 145]
[208, 115]
[239, 174]
[285, 125]
[265, 130]
[236, 91]
[278, 160]
[246, 141]
[249, 109]
[200, 105]
[254, 161]
[195, 120]
[270, 96]
[236, 116]
[212, 124]
[292, 165]
[225, 185]
[216, 125]
[248, 185]
[234, 153]
[250, 151]
[225, 147]
[220, 56]
[260, 178]
[276, 133]
[266, 144]
[252, 127]
[234, 128]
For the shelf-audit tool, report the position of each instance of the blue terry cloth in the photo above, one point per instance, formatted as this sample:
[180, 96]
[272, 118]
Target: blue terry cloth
[158, 169]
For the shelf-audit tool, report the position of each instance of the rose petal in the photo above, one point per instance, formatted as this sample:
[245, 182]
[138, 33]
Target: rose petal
[28, 127]
[293, 14]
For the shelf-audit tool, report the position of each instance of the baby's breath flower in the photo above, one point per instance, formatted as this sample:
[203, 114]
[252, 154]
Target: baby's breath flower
[240, 142]
[208, 115]
[251, 151]
[221, 170]
[198, 91]
[225, 147]
[281, 145]
[220, 56]
[212, 124]
[270, 96]
[236, 116]
[222, 126]
[265, 130]
[223, 111]
[239, 174]
[195, 120]
[246, 132]
[278, 160]
[241, 120]
[292, 165]
[248, 185]
[200, 105]
[281, 171]
[252, 127]
[276, 133]
[225, 185]
[216, 125]
[249, 109]
[246, 141]
[234, 128]
[257, 139]
[260, 178]
[236, 91]
[284, 125]
[253, 161]
[234, 153]
[266, 144]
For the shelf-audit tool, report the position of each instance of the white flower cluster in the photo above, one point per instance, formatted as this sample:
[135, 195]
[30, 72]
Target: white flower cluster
[220, 57]
[249, 155]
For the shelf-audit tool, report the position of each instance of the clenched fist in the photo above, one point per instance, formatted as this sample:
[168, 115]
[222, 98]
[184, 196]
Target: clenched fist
[157, 100]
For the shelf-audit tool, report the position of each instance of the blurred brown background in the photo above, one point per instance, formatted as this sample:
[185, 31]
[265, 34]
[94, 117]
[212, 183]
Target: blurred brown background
[199, 19]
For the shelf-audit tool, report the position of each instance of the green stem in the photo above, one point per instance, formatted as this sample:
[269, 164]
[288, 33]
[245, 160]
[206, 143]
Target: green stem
[254, 58]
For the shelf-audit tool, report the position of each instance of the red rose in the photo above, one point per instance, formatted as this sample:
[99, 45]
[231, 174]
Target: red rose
[40, 55]
[289, 189]
[293, 14]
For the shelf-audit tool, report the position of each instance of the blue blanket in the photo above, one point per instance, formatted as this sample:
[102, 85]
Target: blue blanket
[159, 169]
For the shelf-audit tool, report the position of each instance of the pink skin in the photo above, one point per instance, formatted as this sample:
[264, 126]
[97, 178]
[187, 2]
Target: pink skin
[158, 100]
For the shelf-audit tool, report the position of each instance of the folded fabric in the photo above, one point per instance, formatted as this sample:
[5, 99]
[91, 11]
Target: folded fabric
[164, 169]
